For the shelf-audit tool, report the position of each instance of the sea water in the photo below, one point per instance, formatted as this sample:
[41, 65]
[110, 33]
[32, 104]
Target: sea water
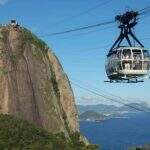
[119, 133]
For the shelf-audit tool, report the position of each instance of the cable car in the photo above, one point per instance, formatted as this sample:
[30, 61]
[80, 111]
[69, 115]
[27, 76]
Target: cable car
[127, 63]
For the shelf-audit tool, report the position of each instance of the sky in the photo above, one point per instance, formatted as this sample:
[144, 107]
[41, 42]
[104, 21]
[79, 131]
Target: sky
[82, 54]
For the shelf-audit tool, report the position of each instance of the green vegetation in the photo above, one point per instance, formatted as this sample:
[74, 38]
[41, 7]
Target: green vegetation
[17, 134]
[29, 36]
[54, 82]
[4, 35]
[38, 47]
[3, 71]
[2, 54]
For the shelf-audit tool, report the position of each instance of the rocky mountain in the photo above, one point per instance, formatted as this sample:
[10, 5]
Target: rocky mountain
[33, 85]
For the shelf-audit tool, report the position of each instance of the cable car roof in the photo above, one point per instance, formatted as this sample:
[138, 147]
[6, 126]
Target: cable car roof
[125, 47]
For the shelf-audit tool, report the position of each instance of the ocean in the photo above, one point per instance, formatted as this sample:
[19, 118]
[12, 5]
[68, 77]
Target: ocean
[119, 133]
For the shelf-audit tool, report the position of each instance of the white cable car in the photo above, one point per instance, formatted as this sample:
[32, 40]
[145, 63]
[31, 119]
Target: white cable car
[127, 63]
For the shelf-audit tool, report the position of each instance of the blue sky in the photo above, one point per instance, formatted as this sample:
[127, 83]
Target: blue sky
[82, 55]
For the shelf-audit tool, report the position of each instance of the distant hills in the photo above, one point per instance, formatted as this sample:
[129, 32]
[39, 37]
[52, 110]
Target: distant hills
[102, 108]
[145, 147]
[141, 106]
[91, 116]
[102, 112]
[97, 108]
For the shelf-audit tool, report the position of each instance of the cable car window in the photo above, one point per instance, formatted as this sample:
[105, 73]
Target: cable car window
[146, 65]
[127, 65]
[137, 55]
[118, 55]
[113, 55]
[137, 65]
[146, 54]
[119, 65]
[126, 54]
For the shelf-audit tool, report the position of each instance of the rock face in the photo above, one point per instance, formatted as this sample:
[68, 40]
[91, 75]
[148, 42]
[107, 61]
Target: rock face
[33, 85]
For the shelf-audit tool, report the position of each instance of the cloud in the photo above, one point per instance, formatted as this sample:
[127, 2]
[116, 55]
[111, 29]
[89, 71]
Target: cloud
[2, 2]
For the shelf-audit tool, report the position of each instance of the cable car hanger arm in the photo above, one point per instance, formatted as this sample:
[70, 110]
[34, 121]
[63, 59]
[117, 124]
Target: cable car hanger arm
[126, 22]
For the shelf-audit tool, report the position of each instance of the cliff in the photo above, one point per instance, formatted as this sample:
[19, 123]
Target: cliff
[33, 85]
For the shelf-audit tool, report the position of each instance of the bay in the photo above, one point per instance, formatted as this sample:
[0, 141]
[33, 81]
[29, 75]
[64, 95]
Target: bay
[119, 133]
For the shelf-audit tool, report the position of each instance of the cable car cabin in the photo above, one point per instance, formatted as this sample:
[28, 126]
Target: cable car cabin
[127, 63]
